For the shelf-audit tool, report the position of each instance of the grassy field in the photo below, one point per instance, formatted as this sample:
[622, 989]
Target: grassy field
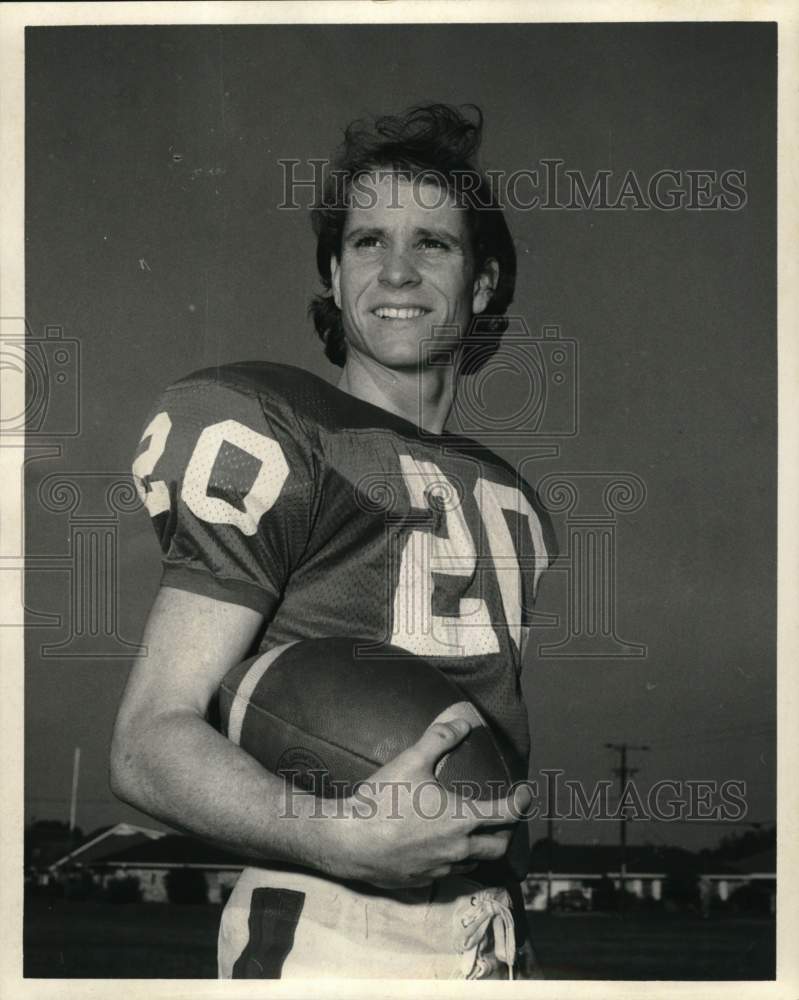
[71, 939]
[653, 946]
[66, 938]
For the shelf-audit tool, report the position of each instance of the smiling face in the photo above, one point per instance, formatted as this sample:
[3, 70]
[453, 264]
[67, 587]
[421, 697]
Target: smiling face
[406, 268]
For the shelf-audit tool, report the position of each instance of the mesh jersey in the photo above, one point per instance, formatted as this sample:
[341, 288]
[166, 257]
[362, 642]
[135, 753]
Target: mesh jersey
[270, 488]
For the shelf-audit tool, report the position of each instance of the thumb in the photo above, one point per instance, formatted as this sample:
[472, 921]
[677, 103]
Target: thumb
[444, 733]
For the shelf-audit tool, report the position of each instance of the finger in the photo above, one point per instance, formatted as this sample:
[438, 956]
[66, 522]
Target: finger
[495, 812]
[418, 882]
[521, 798]
[441, 872]
[464, 848]
[425, 878]
[487, 847]
[464, 869]
[461, 710]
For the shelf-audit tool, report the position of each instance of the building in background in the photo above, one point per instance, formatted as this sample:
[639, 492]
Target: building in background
[127, 863]
[165, 866]
[587, 876]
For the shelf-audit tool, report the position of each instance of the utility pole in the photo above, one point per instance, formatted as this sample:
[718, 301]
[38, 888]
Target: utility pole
[73, 799]
[623, 771]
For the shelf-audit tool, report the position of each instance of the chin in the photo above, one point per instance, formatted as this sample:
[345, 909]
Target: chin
[397, 350]
[399, 357]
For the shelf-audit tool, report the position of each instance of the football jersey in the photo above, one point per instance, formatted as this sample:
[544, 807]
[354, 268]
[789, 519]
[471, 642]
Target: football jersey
[270, 488]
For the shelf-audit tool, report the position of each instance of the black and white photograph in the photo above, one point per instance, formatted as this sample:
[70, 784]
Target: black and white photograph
[390, 478]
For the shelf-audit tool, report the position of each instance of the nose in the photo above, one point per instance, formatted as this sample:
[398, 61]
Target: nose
[398, 268]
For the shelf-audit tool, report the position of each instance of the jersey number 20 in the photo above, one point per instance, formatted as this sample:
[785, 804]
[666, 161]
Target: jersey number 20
[423, 555]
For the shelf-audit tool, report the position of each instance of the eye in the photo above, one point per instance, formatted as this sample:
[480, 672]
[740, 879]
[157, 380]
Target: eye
[431, 243]
[366, 241]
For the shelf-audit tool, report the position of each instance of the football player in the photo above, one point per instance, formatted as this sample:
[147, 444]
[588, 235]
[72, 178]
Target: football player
[288, 508]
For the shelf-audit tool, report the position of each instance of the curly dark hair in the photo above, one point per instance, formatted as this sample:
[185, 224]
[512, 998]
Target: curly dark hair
[434, 140]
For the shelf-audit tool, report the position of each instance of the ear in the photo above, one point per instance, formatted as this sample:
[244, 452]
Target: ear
[485, 285]
[335, 280]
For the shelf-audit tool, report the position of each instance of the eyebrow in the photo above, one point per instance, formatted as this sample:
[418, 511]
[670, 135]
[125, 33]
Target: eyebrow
[439, 234]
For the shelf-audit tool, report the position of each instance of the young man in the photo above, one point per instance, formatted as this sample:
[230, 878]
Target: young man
[287, 509]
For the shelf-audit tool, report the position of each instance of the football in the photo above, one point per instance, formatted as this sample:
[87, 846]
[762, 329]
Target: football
[327, 713]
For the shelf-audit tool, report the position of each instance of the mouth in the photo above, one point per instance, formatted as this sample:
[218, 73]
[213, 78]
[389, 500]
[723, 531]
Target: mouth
[400, 312]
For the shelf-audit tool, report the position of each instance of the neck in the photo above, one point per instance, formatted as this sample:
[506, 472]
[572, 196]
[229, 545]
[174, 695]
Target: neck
[424, 398]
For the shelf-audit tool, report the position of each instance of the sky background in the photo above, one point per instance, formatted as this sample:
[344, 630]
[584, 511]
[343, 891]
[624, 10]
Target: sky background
[155, 243]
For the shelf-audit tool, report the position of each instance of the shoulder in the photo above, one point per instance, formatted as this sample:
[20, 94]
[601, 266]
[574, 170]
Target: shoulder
[262, 380]
[285, 392]
[231, 415]
[257, 393]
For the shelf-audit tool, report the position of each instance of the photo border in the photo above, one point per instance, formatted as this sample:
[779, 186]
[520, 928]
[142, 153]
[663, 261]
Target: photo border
[13, 19]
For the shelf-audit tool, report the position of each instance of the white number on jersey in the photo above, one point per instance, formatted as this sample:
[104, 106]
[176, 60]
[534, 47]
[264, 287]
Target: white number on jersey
[261, 496]
[492, 499]
[470, 632]
[415, 627]
[156, 498]
[263, 493]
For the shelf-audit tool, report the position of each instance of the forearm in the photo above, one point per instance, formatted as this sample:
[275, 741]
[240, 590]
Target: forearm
[181, 771]
[169, 762]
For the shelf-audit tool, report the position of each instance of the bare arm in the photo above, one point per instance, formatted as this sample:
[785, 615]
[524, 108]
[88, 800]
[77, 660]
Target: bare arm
[169, 762]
